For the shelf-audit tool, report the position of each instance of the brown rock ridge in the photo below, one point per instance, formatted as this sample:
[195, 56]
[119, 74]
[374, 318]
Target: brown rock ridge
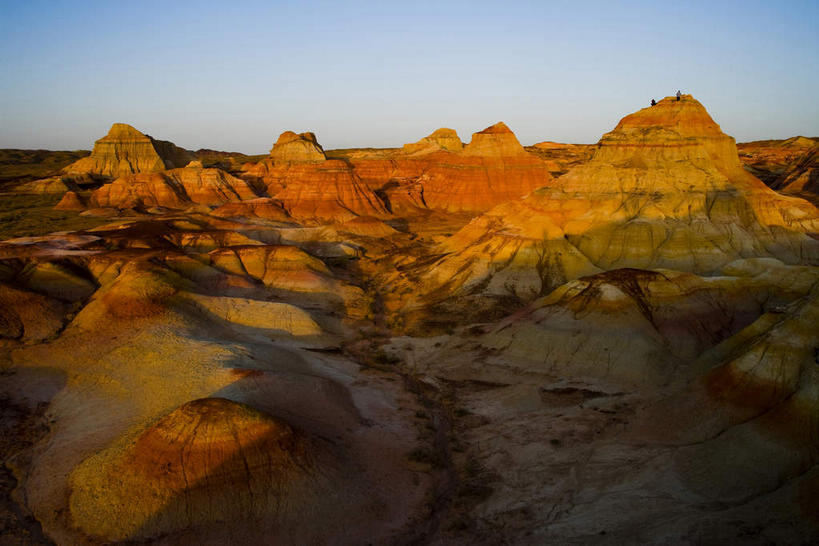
[768, 160]
[803, 177]
[664, 189]
[124, 150]
[176, 188]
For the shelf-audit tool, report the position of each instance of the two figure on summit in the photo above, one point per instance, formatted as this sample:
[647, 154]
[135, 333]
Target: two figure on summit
[679, 95]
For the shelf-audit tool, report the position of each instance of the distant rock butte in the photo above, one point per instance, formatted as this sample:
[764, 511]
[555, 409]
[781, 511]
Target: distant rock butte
[665, 189]
[124, 150]
[292, 147]
[492, 169]
[495, 141]
[440, 139]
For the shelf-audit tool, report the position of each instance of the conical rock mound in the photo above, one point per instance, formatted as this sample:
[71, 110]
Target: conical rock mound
[440, 139]
[124, 150]
[494, 141]
[297, 147]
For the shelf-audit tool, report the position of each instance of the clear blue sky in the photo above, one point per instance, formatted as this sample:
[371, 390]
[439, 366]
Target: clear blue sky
[233, 75]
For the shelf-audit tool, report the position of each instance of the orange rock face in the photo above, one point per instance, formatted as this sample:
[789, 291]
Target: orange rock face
[293, 147]
[124, 150]
[176, 188]
[263, 207]
[311, 187]
[493, 168]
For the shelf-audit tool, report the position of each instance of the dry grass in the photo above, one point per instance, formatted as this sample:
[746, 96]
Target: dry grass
[24, 215]
[25, 165]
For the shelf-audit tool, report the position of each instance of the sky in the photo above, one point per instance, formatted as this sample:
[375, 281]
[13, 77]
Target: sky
[234, 75]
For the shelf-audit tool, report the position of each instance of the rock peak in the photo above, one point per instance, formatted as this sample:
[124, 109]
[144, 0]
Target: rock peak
[122, 131]
[671, 130]
[495, 141]
[440, 139]
[125, 150]
[293, 147]
[499, 128]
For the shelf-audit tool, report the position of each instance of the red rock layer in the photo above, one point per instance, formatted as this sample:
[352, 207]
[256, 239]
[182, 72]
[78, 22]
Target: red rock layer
[327, 191]
[263, 207]
[492, 169]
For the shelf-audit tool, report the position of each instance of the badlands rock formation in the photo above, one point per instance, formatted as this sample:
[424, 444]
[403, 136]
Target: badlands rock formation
[297, 147]
[493, 168]
[124, 150]
[664, 189]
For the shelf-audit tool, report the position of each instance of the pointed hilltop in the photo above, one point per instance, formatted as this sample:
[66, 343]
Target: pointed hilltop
[292, 147]
[125, 150]
[443, 139]
[497, 140]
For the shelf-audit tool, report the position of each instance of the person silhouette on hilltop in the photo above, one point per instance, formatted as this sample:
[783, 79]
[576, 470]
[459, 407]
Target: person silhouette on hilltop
[678, 94]
[653, 102]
